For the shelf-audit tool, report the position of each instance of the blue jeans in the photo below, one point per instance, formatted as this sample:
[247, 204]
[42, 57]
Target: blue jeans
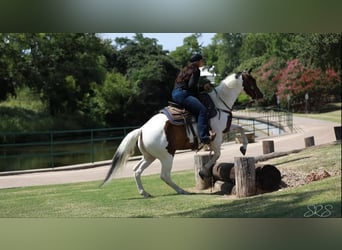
[193, 105]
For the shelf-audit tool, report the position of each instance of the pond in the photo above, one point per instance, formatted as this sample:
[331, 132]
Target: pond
[20, 151]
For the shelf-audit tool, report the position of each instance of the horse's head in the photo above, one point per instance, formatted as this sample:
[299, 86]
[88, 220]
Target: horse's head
[249, 85]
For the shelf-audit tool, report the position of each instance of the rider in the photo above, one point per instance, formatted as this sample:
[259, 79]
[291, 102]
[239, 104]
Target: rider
[184, 92]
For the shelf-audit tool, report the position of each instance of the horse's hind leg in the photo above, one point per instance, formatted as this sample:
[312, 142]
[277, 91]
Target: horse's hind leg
[138, 169]
[166, 174]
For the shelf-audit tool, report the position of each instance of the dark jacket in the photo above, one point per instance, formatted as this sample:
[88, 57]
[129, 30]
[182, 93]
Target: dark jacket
[190, 84]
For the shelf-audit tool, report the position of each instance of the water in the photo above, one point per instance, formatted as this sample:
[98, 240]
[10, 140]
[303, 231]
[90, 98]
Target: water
[22, 151]
[261, 129]
[35, 157]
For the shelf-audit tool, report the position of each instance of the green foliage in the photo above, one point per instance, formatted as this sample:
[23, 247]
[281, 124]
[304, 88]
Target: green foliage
[113, 98]
[224, 52]
[102, 82]
[183, 53]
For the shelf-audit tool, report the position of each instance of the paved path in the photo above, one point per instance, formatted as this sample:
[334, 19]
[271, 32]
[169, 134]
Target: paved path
[323, 132]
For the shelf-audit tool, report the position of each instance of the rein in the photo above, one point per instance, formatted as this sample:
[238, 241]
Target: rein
[229, 111]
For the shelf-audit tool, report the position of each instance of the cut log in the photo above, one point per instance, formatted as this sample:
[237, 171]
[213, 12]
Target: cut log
[200, 161]
[267, 178]
[224, 172]
[245, 176]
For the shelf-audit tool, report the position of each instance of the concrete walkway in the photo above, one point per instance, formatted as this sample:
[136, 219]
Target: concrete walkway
[323, 132]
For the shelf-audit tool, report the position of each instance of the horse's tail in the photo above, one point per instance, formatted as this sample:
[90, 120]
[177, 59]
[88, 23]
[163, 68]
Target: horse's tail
[125, 150]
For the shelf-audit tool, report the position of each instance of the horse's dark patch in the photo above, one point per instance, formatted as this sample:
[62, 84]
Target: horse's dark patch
[177, 138]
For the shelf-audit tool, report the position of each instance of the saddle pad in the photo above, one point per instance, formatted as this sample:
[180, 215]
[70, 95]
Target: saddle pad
[176, 115]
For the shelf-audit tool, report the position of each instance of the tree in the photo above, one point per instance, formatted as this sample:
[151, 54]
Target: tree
[223, 53]
[320, 50]
[63, 66]
[113, 99]
[152, 73]
[11, 60]
[296, 80]
[190, 46]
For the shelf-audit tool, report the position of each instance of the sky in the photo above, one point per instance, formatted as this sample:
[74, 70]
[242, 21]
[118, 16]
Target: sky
[169, 41]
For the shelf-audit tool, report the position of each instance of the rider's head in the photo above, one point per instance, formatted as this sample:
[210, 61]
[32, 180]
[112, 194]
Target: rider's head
[197, 59]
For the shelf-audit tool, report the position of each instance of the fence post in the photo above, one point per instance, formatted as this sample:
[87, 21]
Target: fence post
[52, 161]
[337, 133]
[92, 146]
[267, 147]
[309, 141]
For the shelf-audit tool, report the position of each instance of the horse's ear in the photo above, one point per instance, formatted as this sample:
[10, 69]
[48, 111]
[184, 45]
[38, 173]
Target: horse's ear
[250, 70]
[237, 75]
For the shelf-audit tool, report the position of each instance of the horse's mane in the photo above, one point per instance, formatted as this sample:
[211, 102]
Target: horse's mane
[232, 81]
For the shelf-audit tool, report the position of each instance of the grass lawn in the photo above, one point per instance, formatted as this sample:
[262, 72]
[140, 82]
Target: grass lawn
[331, 112]
[120, 198]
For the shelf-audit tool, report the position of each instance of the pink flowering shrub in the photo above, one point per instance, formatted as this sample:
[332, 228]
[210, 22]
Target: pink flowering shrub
[297, 80]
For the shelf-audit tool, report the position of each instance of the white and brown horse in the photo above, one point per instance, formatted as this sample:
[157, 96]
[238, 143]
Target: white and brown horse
[159, 139]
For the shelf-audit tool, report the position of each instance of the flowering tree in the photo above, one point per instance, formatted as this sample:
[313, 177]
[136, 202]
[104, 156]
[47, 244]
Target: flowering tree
[265, 76]
[297, 80]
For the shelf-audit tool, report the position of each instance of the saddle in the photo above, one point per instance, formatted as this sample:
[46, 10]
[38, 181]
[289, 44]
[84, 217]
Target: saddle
[179, 116]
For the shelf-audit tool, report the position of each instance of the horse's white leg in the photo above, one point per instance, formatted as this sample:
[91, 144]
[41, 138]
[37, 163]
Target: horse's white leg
[141, 166]
[165, 174]
[138, 170]
[216, 148]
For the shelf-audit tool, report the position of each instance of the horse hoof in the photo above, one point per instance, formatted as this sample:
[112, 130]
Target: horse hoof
[184, 192]
[146, 195]
[243, 150]
[203, 174]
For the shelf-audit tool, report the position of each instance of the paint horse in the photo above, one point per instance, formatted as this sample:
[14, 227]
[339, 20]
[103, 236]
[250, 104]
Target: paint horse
[159, 139]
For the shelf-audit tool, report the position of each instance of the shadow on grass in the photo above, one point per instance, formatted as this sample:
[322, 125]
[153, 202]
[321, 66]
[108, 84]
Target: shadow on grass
[271, 205]
[293, 160]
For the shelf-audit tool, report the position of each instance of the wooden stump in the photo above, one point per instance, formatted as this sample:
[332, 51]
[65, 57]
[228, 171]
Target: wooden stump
[337, 133]
[245, 176]
[200, 161]
[224, 172]
[309, 141]
[267, 147]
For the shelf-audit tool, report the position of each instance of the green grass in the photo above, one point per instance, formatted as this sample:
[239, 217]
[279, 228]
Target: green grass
[330, 112]
[121, 199]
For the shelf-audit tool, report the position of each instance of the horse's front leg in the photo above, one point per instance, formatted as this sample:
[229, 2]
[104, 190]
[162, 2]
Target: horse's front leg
[166, 174]
[238, 128]
[206, 170]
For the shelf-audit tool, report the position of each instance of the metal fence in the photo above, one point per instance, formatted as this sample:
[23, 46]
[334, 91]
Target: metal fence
[19, 151]
[264, 122]
[33, 150]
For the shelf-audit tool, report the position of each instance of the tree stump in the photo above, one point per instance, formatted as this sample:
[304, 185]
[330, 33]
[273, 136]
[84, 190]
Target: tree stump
[267, 147]
[309, 141]
[245, 176]
[337, 133]
[200, 161]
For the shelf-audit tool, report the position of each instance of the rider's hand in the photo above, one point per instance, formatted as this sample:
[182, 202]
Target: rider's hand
[207, 87]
